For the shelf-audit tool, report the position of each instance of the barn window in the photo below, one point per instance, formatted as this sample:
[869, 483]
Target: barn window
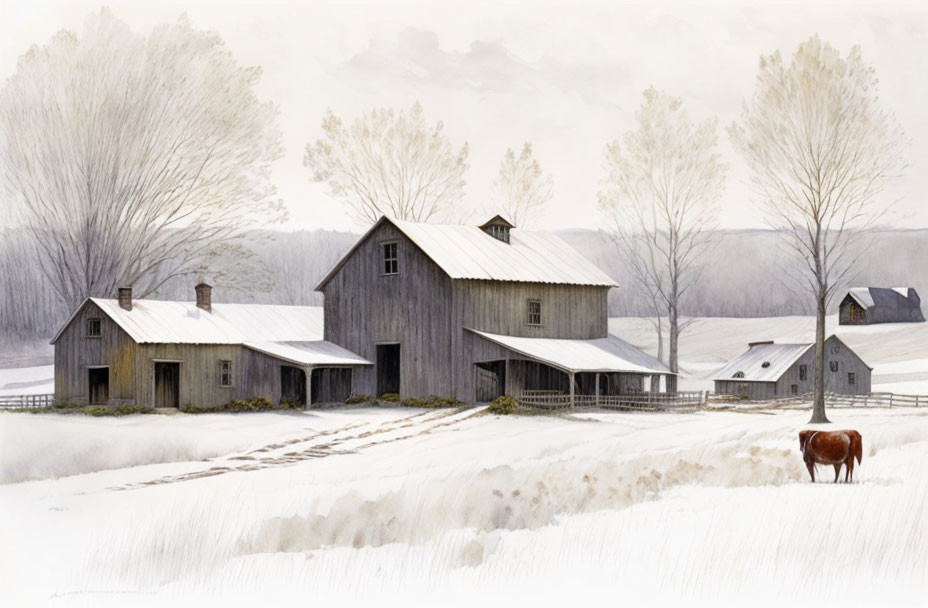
[390, 259]
[851, 378]
[833, 365]
[225, 372]
[803, 372]
[534, 312]
[738, 375]
[94, 327]
[499, 231]
[793, 389]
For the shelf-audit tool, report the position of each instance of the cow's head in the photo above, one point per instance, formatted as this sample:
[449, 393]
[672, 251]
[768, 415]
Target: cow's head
[803, 438]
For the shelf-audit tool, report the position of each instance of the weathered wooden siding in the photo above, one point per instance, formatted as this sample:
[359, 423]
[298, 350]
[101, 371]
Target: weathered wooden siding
[364, 307]
[75, 352]
[568, 312]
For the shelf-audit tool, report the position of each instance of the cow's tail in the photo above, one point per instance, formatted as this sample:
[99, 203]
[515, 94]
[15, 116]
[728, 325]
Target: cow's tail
[858, 448]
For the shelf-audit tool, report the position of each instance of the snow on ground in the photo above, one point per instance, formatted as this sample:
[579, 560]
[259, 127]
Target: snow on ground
[358, 506]
[27, 380]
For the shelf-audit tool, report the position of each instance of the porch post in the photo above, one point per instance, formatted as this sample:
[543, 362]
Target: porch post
[309, 386]
[507, 379]
[597, 389]
[571, 390]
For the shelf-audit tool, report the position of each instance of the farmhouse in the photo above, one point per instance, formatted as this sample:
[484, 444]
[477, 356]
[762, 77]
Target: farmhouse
[867, 305]
[197, 354]
[770, 371]
[472, 312]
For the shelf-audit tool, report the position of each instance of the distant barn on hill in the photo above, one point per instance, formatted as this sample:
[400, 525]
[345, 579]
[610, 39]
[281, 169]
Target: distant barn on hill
[772, 371]
[868, 305]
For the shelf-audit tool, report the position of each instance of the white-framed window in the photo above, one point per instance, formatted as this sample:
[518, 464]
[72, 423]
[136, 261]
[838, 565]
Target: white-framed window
[534, 312]
[390, 259]
[94, 327]
[225, 372]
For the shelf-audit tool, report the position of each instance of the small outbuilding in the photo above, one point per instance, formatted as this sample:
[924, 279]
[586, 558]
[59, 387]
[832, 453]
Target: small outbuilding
[868, 305]
[772, 371]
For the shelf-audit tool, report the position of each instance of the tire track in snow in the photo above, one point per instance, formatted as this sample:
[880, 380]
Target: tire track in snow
[341, 440]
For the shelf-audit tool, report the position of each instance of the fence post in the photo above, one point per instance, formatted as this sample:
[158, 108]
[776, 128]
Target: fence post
[890, 400]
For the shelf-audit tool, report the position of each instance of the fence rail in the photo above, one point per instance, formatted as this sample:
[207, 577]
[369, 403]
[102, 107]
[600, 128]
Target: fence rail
[15, 402]
[640, 401]
[881, 399]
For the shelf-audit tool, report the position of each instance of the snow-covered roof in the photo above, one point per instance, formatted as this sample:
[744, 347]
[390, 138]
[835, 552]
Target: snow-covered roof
[467, 252]
[610, 354]
[317, 352]
[168, 322]
[751, 363]
[891, 297]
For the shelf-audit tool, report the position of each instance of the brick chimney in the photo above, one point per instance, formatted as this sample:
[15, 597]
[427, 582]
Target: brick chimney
[204, 297]
[125, 298]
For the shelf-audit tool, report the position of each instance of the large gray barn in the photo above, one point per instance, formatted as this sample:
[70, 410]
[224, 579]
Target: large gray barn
[475, 312]
[868, 305]
[472, 312]
[771, 371]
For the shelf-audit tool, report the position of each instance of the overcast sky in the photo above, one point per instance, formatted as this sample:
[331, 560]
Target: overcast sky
[565, 76]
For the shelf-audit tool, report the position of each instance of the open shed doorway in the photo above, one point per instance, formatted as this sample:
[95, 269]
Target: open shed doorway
[293, 384]
[490, 381]
[167, 384]
[388, 368]
[98, 385]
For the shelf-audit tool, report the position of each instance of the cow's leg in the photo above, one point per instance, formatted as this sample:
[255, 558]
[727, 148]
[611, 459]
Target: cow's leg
[837, 471]
[811, 466]
[849, 476]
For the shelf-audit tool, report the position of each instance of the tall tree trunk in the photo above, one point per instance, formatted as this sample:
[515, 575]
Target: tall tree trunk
[818, 397]
[659, 325]
[674, 336]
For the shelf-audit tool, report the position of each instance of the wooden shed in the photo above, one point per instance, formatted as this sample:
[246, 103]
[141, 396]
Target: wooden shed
[772, 371]
[197, 354]
[869, 305]
[475, 312]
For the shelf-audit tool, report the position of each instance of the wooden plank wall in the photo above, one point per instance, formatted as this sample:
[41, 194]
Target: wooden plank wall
[364, 307]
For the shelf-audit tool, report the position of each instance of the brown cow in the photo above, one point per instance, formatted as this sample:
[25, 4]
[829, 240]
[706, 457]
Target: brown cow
[831, 447]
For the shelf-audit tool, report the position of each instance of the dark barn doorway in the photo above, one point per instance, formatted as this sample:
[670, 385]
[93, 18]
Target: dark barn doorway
[98, 384]
[167, 384]
[330, 385]
[388, 368]
[491, 381]
[293, 384]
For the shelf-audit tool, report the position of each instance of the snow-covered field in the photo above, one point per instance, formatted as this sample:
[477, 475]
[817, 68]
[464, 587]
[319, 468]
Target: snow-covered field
[413, 507]
[27, 380]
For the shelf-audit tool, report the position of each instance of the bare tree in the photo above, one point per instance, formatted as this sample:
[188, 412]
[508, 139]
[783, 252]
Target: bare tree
[521, 189]
[390, 163]
[661, 193]
[820, 149]
[134, 158]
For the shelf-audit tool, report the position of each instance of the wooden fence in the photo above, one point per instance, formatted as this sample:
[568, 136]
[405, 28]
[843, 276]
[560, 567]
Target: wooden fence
[640, 401]
[831, 400]
[15, 402]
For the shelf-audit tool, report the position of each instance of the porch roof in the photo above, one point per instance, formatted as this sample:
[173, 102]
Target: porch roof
[610, 354]
[317, 353]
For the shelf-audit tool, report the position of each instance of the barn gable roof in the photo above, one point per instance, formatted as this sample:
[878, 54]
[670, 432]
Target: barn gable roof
[778, 358]
[467, 252]
[885, 297]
